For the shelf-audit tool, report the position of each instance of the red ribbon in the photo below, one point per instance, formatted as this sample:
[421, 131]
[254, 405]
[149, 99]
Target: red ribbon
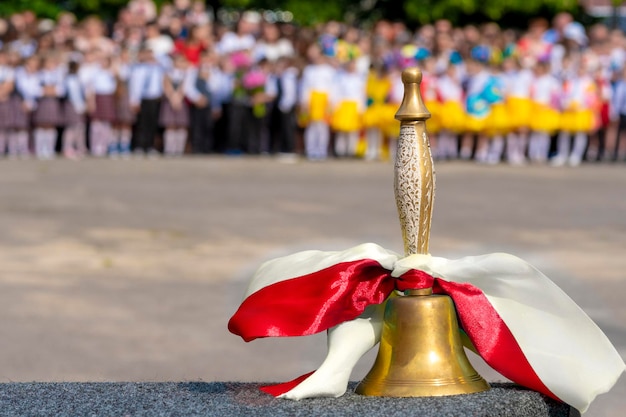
[315, 302]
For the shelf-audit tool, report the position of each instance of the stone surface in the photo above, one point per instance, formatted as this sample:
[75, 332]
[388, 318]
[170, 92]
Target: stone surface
[129, 270]
[190, 399]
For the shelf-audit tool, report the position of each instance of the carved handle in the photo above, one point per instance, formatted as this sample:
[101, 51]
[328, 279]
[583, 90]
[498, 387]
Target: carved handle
[414, 180]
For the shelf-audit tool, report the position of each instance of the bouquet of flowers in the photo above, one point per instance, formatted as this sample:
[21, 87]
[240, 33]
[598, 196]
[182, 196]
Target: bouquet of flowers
[254, 84]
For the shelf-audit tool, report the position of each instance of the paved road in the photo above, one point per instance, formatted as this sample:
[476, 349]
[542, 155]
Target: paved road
[129, 270]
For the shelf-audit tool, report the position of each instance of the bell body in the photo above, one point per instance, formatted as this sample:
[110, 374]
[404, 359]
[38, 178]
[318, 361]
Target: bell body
[420, 351]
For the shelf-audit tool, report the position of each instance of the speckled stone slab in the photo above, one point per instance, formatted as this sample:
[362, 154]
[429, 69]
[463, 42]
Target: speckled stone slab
[236, 398]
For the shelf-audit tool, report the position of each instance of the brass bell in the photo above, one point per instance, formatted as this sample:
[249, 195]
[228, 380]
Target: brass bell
[420, 351]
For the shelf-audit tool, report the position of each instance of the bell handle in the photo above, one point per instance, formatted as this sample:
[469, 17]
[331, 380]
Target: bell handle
[414, 176]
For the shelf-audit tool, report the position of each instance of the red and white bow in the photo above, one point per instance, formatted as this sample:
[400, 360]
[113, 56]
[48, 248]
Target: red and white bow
[520, 322]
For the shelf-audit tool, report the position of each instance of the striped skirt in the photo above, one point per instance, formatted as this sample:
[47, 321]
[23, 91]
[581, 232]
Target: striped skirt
[105, 108]
[48, 113]
[171, 117]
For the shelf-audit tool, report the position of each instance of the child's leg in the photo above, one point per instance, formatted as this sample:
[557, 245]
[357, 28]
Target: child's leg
[578, 151]
[341, 144]
[169, 146]
[114, 146]
[534, 146]
[373, 143]
[3, 141]
[544, 146]
[324, 140]
[353, 142]
[125, 135]
[182, 141]
[51, 143]
[309, 134]
[562, 149]
[22, 143]
[393, 148]
[467, 146]
[482, 149]
[512, 148]
[69, 140]
[496, 148]
[39, 135]
[99, 138]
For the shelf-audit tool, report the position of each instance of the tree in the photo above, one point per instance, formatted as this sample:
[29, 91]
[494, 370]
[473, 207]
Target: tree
[425, 11]
[51, 9]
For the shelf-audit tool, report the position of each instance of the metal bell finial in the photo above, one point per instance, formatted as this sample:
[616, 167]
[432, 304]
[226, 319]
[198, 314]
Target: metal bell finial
[420, 351]
[412, 107]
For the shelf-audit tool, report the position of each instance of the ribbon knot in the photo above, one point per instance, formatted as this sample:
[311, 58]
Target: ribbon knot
[414, 279]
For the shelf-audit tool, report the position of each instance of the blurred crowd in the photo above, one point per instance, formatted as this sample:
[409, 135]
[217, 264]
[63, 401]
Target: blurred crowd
[176, 81]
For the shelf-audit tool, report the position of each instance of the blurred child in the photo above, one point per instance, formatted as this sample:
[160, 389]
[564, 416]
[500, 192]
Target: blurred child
[391, 125]
[597, 139]
[618, 153]
[174, 115]
[23, 102]
[198, 92]
[429, 90]
[483, 90]
[74, 110]
[377, 89]
[450, 91]
[349, 101]
[498, 120]
[284, 112]
[7, 83]
[124, 115]
[518, 83]
[545, 96]
[579, 103]
[101, 102]
[48, 113]
[316, 84]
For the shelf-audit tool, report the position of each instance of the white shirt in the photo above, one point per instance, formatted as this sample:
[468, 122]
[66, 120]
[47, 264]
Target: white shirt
[273, 51]
[146, 82]
[231, 42]
[75, 93]
[103, 82]
[518, 83]
[289, 84]
[87, 72]
[28, 85]
[7, 74]
[449, 89]
[546, 90]
[316, 77]
[160, 45]
[53, 77]
[349, 86]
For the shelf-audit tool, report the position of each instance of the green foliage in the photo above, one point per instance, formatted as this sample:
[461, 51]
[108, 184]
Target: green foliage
[425, 11]
[50, 9]
[42, 8]
[308, 12]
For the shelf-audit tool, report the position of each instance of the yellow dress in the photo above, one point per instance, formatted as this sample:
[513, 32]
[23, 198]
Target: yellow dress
[391, 126]
[544, 118]
[577, 120]
[433, 124]
[318, 107]
[497, 122]
[475, 124]
[519, 110]
[346, 117]
[377, 90]
[452, 116]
